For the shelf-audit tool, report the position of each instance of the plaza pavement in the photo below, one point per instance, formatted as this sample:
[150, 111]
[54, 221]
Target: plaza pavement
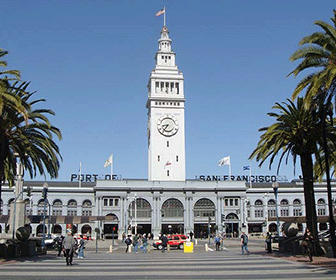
[227, 264]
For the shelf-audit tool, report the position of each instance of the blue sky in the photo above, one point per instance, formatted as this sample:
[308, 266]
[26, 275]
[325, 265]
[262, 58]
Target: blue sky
[91, 60]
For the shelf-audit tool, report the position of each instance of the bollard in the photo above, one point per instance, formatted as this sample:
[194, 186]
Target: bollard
[206, 247]
[168, 247]
[129, 249]
[111, 249]
[195, 241]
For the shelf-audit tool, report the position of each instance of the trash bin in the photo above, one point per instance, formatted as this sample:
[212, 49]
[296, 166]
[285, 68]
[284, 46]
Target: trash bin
[188, 247]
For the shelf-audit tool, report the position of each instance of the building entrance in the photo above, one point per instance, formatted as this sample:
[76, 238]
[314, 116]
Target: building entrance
[172, 228]
[142, 228]
[231, 229]
[108, 231]
[202, 230]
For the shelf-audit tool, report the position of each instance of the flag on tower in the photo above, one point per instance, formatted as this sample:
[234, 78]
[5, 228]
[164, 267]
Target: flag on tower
[246, 168]
[109, 161]
[161, 12]
[224, 161]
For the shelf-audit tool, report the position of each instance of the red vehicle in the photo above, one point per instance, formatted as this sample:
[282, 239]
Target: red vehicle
[174, 240]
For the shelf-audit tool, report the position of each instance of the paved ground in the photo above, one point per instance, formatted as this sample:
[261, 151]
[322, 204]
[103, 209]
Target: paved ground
[228, 264]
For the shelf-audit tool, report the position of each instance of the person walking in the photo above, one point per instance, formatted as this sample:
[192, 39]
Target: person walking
[59, 243]
[135, 243]
[244, 242]
[144, 243]
[217, 242]
[191, 234]
[307, 244]
[128, 242]
[164, 241]
[268, 242]
[69, 244]
[81, 247]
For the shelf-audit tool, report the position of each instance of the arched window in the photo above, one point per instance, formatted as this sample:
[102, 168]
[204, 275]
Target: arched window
[204, 208]
[72, 208]
[41, 207]
[297, 207]
[232, 216]
[258, 203]
[87, 208]
[284, 208]
[321, 207]
[143, 208]
[172, 208]
[258, 209]
[271, 208]
[29, 209]
[57, 207]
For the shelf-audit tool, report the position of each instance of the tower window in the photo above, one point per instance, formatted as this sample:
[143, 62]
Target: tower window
[167, 143]
[168, 173]
[177, 88]
[176, 158]
[158, 158]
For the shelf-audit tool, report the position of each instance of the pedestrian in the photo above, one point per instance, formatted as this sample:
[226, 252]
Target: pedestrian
[59, 243]
[128, 242]
[307, 244]
[69, 244]
[217, 242]
[164, 243]
[123, 236]
[244, 241]
[81, 248]
[268, 242]
[191, 234]
[135, 243]
[144, 243]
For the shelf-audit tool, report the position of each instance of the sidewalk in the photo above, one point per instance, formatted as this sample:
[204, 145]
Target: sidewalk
[329, 263]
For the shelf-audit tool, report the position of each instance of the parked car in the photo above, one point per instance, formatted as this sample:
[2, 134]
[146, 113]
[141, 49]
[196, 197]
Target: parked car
[174, 240]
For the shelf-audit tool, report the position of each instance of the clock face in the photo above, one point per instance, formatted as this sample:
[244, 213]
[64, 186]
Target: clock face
[167, 125]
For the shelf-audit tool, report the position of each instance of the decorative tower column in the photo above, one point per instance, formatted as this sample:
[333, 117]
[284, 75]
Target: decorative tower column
[165, 104]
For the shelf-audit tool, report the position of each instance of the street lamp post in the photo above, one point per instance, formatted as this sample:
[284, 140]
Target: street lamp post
[126, 209]
[135, 215]
[44, 194]
[275, 186]
[266, 211]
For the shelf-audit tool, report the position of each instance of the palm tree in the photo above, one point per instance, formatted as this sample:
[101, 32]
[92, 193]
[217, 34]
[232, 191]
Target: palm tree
[31, 138]
[296, 132]
[319, 54]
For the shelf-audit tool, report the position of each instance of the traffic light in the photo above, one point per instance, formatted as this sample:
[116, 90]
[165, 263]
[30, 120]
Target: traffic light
[45, 193]
[29, 190]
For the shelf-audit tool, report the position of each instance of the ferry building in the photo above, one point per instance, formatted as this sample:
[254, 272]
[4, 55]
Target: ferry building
[167, 201]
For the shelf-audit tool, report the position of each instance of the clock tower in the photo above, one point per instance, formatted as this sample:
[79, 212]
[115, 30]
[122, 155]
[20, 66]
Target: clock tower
[165, 104]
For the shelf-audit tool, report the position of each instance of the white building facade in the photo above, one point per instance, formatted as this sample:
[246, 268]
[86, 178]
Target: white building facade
[166, 202]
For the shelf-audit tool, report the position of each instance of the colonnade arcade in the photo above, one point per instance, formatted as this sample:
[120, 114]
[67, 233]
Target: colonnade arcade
[169, 215]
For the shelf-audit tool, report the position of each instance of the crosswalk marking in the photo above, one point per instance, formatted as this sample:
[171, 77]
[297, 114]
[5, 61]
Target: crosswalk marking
[157, 265]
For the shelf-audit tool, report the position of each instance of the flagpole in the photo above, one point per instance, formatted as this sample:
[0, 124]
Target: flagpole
[80, 175]
[250, 176]
[164, 16]
[112, 168]
[230, 170]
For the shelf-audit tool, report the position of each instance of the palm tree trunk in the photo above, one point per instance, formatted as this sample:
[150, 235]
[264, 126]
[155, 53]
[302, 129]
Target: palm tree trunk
[330, 206]
[309, 195]
[3, 155]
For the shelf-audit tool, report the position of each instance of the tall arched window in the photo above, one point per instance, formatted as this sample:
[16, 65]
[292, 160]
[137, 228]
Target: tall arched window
[87, 208]
[297, 207]
[1, 206]
[258, 209]
[321, 207]
[143, 210]
[41, 207]
[204, 208]
[284, 208]
[271, 208]
[172, 208]
[72, 208]
[57, 207]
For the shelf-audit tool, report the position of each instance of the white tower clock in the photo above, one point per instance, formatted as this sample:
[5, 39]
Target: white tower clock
[166, 140]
